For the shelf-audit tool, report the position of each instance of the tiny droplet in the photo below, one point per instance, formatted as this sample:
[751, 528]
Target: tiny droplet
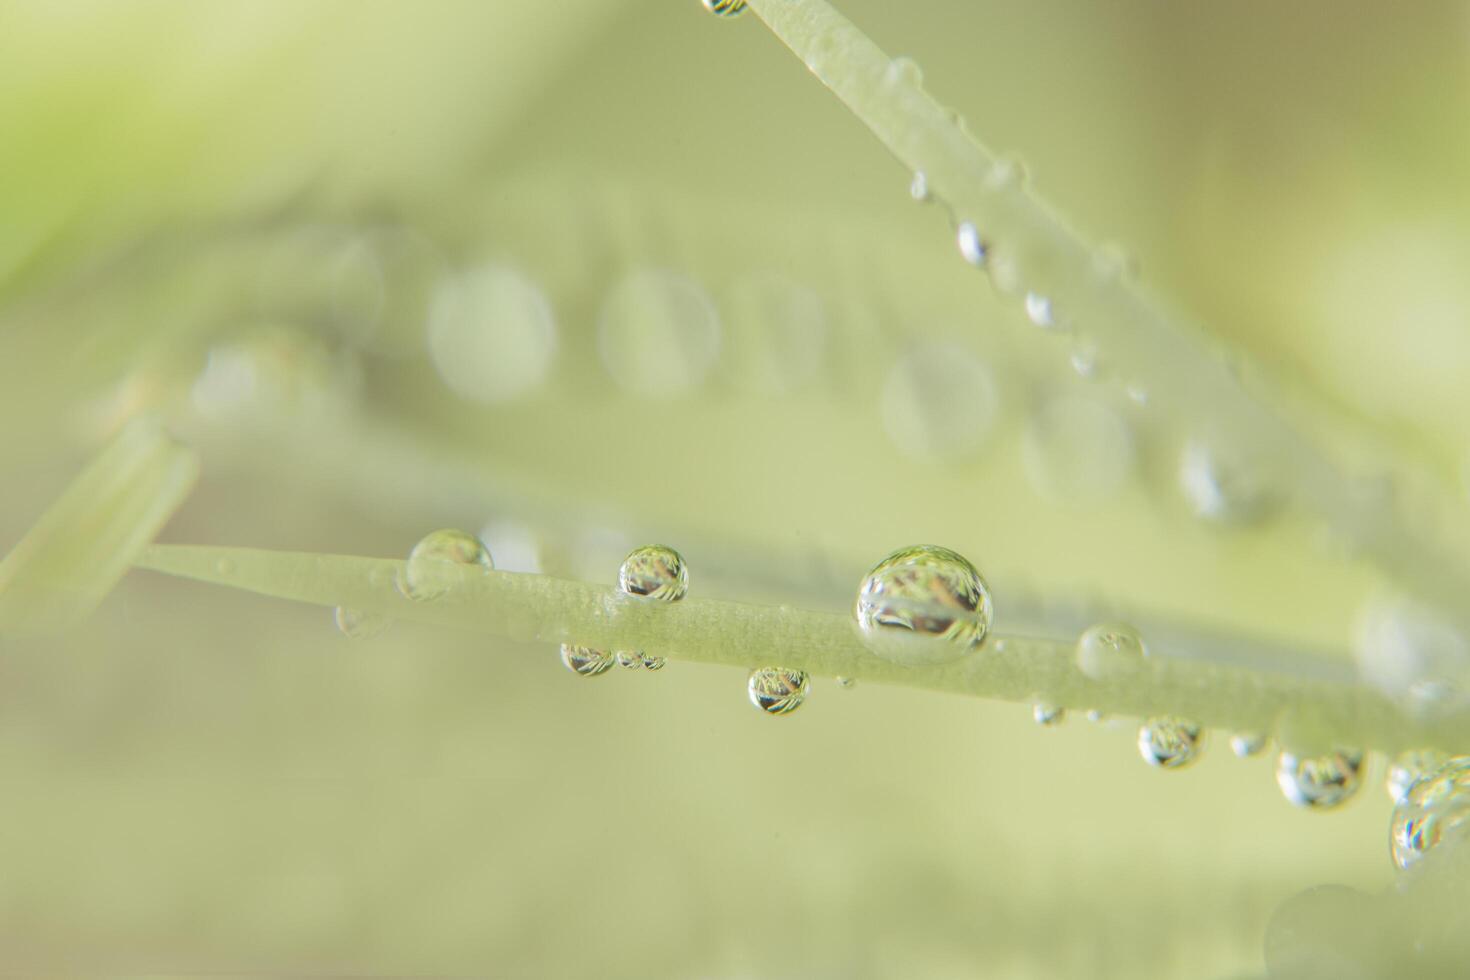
[1169, 742]
[1247, 744]
[847, 683]
[585, 660]
[1319, 782]
[1039, 311]
[972, 248]
[778, 690]
[437, 562]
[919, 187]
[1109, 649]
[923, 605]
[1048, 714]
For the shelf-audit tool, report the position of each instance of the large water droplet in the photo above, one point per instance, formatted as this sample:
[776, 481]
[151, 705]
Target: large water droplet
[436, 562]
[1109, 650]
[585, 660]
[778, 690]
[1048, 714]
[1247, 744]
[1407, 768]
[725, 8]
[1319, 782]
[939, 403]
[658, 334]
[1435, 808]
[972, 247]
[923, 605]
[492, 336]
[654, 571]
[357, 624]
[1169, 742]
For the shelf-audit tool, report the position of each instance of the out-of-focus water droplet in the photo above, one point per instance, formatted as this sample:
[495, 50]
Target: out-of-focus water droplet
[1096, 717]
[1039, 310]
[1247, 744]
[1138, 395]
[778, 334]
[904, 70]
[585, 660]
[1222, 486]
[225, 566]
[972, 247]
[1435, 808]
[778, 690]
[939, 403]
[1319, 782]
[1005, 172]
[1048, 714]
[492, 336]
[919, 187]
[923, 605]
[357, 624]
[654, 571]
[435, 563]
[1169, 742]
[1407, 768]
[847, 683]
[658, 334]
[1109, 650]
[725, 8]
[1410, 651]
[1084, 360]
[1077, 449]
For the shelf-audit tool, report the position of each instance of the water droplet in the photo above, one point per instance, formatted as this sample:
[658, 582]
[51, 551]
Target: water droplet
[847, 683]
[1096, 717]
[1137, 395]
[1246, 744]
[1084, 361]
[1006, 171]
[225, 566]
[1169, 742]
[585, 660]
[1319, 782]
[919, 187]
[904, 71]
[492, 336]
[631, 659]
[939, 403]
[778, 333]
[1048, 714]
[654, 571]
[658, 334]
[725, 8]
[1411, 651]
[654, 663]
[777, 690]
[923, 605]
[972, 248]
[357, 624]
[436, 562]
[1222, 486]
[1435, 808]
[1039, 310]
[1109, 649]
[1077, 449]
[1409, 767]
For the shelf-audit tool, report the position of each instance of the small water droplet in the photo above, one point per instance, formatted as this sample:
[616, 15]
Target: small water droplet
[1084, 361]
[1006, 171]
[1169, 742]
[972, 247]
[357, 624]
[1138, 395]
[225, 566]
[1039, 310]
[1247, 744]
[1319, 782]
[725, 8]
[1409, 767]
[1109, 649]
[492, 336]
[1434, 808]
[437, 561]
[1096, 717]
[904, 70]
[778, 690]
[585, 660]
[654, 663]
[919, 187]
[654, 571]
[1048, 714]
[631, 659]
[847, 683]
[923, 605]
[1222, 486]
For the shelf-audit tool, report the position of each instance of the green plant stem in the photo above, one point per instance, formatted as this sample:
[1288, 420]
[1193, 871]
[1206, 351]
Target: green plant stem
[1033, 250]
[1308, 712]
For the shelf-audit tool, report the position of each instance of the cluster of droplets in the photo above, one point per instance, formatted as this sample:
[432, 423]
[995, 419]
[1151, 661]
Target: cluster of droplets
[653, 572]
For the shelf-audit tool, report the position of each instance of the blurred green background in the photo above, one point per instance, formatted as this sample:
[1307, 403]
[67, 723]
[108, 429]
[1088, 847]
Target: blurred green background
[249, 217]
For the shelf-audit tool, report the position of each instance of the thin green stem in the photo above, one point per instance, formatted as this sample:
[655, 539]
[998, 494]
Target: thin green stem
[1307, 711]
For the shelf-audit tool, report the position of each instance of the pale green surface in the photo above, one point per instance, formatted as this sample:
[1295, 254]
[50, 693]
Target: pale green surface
[204, 781]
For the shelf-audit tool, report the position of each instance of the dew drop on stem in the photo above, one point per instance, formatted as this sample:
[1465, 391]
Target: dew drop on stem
[923, 605]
